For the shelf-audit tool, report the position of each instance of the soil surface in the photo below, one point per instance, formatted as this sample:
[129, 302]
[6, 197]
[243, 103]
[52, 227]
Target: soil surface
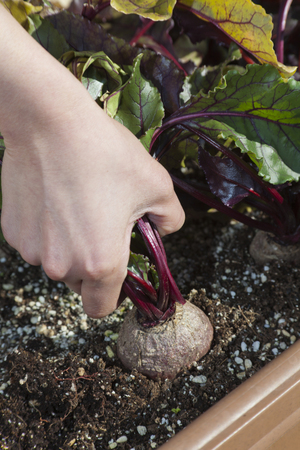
[61, 383]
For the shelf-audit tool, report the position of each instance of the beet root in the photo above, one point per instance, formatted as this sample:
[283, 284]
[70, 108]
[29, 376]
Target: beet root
[161, 351]
[265, 249]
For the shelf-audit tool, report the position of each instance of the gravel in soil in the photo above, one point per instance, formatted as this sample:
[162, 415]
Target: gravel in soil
[61, 384]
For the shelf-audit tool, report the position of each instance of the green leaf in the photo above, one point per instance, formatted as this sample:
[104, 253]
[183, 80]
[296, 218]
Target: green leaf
[93, 83]
[245, 23]
[205, 78]
[98, 73]
[152, 9]
[187, 51]
[20, 10]
[270, 165]
[141, 267]
[146, 138]
[140, 108]
[260, 112]
[81, 61]
[175, 410]
[165, 76]
[46, 35]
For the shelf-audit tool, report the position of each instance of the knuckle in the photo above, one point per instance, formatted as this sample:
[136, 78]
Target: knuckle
[180, 221]
[19, 241]
[100, 270]
[166, 187]
[29, 256]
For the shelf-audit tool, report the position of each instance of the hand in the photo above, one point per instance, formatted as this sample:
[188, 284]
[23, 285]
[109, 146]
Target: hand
[71, 203]
[73, 180]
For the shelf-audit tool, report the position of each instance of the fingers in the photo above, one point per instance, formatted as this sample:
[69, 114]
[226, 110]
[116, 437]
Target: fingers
[98, 278]
[74, 286]
[101, 295]
[100, 298]
[24, 243]
[99, 288]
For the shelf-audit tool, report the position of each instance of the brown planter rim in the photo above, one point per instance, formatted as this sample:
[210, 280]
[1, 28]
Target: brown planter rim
[262, 413]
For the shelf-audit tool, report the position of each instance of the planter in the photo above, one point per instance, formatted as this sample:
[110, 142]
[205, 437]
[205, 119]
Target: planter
[262, 413]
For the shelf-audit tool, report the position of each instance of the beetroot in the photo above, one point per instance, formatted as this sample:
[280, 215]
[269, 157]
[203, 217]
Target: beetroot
[163, 333]
[265, 248]
[161, 351]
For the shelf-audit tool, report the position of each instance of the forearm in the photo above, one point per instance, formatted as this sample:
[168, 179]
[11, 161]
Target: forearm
[34, 88]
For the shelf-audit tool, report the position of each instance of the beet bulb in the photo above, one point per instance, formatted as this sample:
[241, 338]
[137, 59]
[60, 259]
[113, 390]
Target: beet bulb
[163, 333]
[163, 350]
[265, 248]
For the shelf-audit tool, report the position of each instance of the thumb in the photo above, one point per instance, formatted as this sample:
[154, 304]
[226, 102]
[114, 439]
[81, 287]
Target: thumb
[168, 216]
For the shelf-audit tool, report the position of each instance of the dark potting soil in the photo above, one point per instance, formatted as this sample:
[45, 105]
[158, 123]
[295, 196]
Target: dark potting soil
[61, 383]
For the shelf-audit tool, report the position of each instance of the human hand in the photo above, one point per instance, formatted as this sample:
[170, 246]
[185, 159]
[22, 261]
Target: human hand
[74, 181]
[71, 205]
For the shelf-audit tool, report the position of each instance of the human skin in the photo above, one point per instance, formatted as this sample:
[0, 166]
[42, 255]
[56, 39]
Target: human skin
[74, 180]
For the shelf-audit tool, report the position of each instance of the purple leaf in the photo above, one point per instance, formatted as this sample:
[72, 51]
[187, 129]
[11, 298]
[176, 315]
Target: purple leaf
[197, 29]
[227, 180]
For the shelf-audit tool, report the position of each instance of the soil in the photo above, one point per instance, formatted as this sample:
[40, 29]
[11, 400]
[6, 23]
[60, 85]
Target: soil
[61, 383]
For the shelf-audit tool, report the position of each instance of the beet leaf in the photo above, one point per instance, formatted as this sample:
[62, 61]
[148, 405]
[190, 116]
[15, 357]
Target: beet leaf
[226, 180]
[245, 23]
[140, 108]
[46, 35]
[259, 112]
[153, 9]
